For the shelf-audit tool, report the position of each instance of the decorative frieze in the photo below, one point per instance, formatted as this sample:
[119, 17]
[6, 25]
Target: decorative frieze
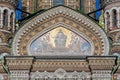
[19, 75]
[101, 75]
[60, 74]
[68, 65]
[101, 63]
[18, 63]
[67, 68]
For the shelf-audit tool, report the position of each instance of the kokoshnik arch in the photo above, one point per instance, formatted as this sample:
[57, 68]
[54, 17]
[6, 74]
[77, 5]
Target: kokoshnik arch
[61, 17]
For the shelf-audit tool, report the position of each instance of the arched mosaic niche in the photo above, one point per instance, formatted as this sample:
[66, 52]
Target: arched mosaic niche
[53, 18]
[60, 41]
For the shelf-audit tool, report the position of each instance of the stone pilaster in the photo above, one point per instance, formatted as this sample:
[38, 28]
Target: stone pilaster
[8, 26]
[101, 67]
[3, 73]
[1, 18]
[13, 27]
[19, 74]
[19, 67]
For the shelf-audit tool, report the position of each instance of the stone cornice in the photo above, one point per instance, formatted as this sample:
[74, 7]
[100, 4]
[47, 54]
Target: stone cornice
[34, 64]
[102, 63]
[20, 63]
[68, 65]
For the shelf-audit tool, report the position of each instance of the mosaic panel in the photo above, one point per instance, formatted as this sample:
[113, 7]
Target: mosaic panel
[60, 41]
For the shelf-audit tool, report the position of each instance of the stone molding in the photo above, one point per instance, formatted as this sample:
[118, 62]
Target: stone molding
[60, 73]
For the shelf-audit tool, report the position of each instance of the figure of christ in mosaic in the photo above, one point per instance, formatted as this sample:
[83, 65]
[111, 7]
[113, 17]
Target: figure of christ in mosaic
[60, 41]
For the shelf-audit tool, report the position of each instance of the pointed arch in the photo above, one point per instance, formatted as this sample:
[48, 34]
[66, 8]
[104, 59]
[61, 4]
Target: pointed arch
[5, 18]
[114, 18]
[108, 21]
[73, 41]
[11, 19]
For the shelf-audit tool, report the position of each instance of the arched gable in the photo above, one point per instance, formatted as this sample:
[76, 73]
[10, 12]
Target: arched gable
[61, 17]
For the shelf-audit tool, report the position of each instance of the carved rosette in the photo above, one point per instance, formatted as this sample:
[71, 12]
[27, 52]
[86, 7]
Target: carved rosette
[67, 18]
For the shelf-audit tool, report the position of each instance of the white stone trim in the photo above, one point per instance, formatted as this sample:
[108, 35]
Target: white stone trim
[19, 74]
[1, 20]
[9, 27]
[117, 17]
[101, 75]
[13, 27]
[13, 23]
[3, 44]
[105, 16]
[116, 44]
[117, 30]
[60, 73]
[5, 31]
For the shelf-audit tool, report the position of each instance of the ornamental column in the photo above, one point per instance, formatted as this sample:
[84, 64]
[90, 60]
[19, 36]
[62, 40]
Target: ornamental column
[111, 20]
[118, 17]
[13, 23]
[1, 19]
[8, 26]
[106, 26]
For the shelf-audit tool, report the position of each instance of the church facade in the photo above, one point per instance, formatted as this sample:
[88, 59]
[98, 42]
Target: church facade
[60, 42]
